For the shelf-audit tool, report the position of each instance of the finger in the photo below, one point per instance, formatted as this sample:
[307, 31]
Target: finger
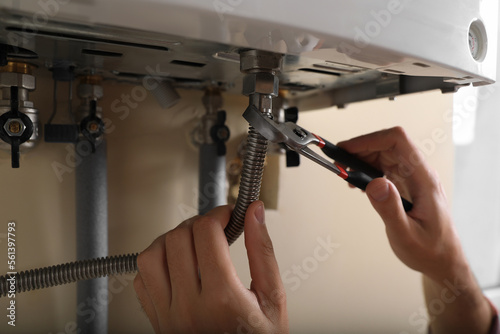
[182, 262]
[153, 270]
[266, 279]
[397, 154]
[146, 303]
[221, 213]
[386, 200]
[212, 249]
[393, 146]
[383, 140]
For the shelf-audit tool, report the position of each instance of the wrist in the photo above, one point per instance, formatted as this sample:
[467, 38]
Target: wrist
[457, 304]
[450, 263]
[458, 280]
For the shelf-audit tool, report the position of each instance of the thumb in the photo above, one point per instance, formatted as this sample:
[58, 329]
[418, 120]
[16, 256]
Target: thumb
[385, 199]
[266, 279]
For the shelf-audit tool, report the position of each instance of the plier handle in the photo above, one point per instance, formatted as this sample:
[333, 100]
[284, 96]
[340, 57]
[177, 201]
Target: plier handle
[297, 139]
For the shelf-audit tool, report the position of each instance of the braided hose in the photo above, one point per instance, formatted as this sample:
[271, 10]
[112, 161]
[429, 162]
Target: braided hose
[67, 273]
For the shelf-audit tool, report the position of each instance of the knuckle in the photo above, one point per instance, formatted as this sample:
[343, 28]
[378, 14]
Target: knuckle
[398, 131]
[174, 244]
[221, 296]
[223, 301]
[174, 237]
[204, 225]
[278, 297]
[434, 182]
[170, 238]
[399, 134]
[268, 248]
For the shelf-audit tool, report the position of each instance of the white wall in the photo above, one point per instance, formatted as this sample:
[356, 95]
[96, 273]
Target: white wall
[360, 288]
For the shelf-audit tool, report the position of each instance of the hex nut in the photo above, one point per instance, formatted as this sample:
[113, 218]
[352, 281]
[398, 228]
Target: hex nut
[8, 79]
[261, 83]
[22, 104]
[14, 127]
[88, 91]
[252, 60]
[265, 102]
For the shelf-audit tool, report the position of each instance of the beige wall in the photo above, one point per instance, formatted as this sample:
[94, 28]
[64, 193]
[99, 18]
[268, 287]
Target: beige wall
[360, 288]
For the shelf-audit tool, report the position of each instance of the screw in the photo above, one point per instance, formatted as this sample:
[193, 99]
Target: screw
[223, 133]
[14, 127]
[93, 127]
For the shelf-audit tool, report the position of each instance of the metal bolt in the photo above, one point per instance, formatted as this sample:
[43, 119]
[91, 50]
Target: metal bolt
[262, 83]
[93, 127]
[223, 133]
[14, 127]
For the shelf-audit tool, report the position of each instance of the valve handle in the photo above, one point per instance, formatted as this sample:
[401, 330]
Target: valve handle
[220, 133]
[92, 127]
[15, 127]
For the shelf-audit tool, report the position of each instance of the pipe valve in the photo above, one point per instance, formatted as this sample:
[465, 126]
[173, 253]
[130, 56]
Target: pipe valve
[18, 118]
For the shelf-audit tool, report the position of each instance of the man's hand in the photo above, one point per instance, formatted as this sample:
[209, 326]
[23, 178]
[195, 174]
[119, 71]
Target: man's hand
[188, 284]
[425, 238]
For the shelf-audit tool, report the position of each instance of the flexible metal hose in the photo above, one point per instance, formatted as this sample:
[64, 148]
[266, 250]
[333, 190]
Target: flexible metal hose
[68, 273]
[251, 179]
[249, 191]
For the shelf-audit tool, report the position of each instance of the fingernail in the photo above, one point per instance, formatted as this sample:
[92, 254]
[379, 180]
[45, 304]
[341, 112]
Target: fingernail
[380, 193]
[259, 213]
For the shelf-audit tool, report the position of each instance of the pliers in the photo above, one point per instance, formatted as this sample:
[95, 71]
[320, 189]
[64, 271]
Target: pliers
[297, 139]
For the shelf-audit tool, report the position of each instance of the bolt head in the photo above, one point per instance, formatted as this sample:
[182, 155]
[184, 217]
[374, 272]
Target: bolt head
[262, 83]
[223, 133]
[14, 127]
[93, 127]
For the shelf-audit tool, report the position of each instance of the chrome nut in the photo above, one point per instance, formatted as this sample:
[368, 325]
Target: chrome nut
[22, 104]
[88, 91]
[14, 127]
[261, 83]
[265, 102]
[9, 79]
[255, 60]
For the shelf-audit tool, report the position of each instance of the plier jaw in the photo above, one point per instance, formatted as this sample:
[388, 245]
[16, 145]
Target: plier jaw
[289, 134]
